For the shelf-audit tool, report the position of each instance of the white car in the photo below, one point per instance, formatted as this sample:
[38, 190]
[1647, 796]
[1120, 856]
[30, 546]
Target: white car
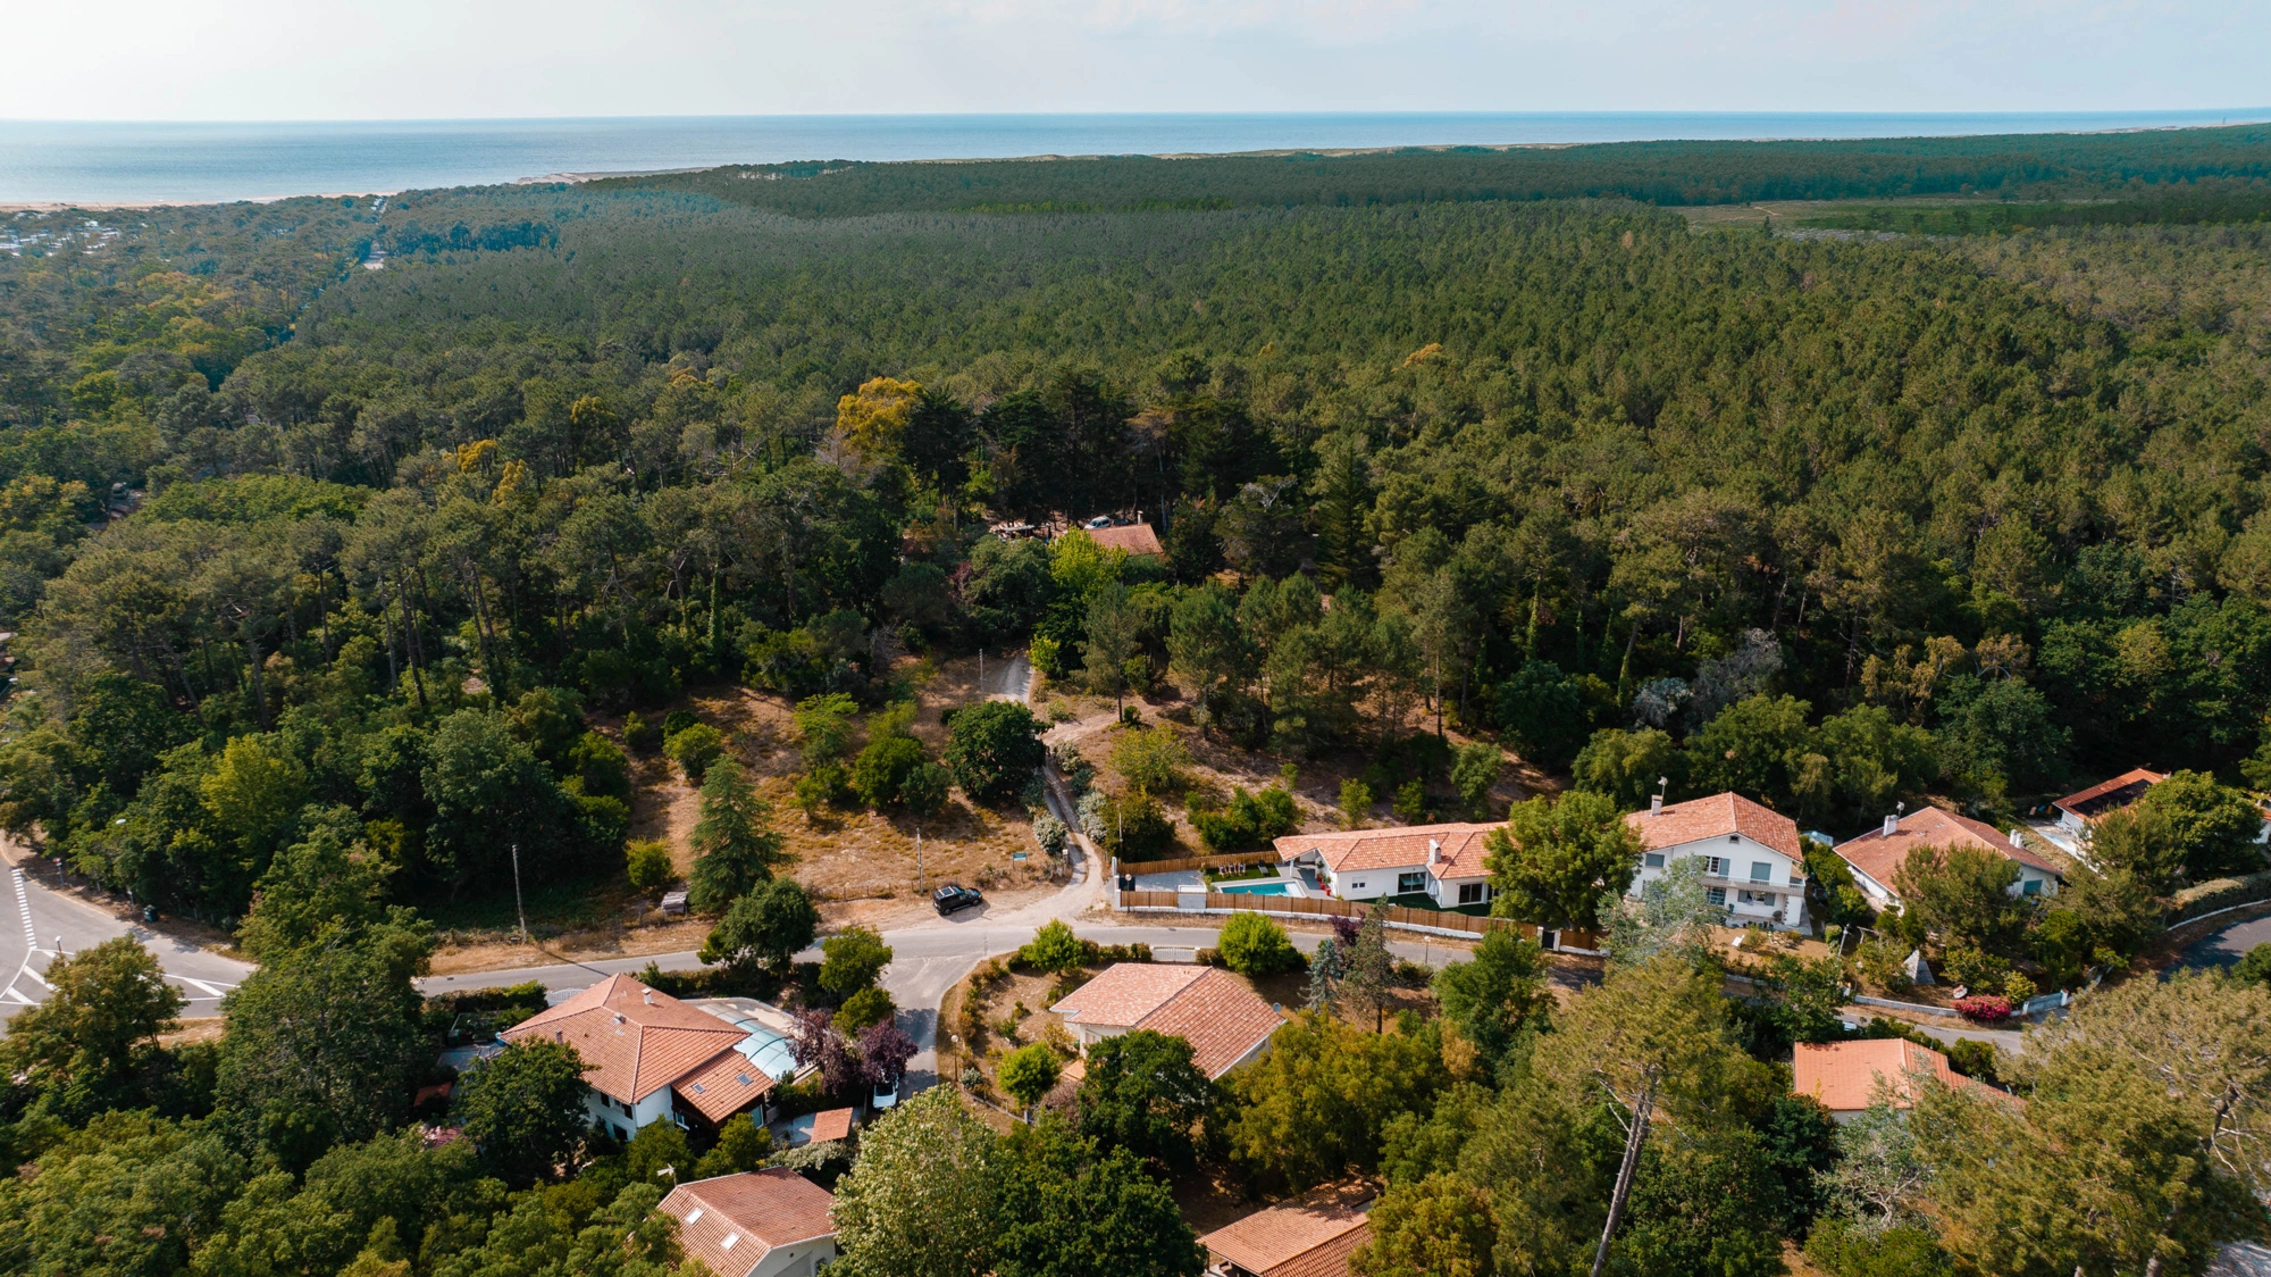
[1100, 521]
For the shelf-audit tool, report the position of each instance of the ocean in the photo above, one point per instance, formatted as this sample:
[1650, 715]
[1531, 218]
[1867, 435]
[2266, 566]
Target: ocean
[91, 163]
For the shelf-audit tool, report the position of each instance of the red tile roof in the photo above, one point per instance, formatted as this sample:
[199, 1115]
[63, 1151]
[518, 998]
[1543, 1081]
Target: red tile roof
[724, 1086]
[2110, 795]
[1137, 539]
[1459, 855]
[732, 1222]
[634, 1041]
[1311, 1237]
[1713, 817]
[1844, 1075]
[1881, 858]
[1217, 1012]
[834, 1124]
[1126, 992]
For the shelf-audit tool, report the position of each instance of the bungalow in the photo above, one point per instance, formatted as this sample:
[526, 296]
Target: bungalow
[1215, 1011]
[1845, 1076]
[1753, 864]
[1876, 857]
[1442, 862]
[1136, 540]
[769, 1223]
[1310, 1237]
[648, 1056]
[2077, 812]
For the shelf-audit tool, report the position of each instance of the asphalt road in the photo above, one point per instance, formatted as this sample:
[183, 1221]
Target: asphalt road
[2228, 946]
[47, 922]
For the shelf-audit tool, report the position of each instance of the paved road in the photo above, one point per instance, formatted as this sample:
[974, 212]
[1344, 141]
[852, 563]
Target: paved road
[44, 922]
[2226, 947]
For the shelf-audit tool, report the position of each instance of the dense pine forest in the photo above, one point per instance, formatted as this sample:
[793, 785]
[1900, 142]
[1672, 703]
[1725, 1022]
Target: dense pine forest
[317, 575]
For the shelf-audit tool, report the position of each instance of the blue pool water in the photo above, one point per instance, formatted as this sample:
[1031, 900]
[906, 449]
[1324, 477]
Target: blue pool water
[1256, 889]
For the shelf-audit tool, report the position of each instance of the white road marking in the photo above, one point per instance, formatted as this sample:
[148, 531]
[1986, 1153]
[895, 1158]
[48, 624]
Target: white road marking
[211, 990]
[31, 942]
[11, 994]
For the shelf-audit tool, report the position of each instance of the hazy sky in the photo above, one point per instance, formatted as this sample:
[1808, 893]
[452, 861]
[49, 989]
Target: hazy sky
[319, 59]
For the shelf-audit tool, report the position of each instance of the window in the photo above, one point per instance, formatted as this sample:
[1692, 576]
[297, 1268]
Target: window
[2032, 887]
[1653, 860]
[730, 1239]
[1715, 866]
[1356, 886]
[1406, 884]
[1716, 895]
[1762, 871]
[1471, 893]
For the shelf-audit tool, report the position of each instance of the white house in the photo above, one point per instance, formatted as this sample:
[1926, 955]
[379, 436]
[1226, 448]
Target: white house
[648, 1056]
[1222, 1018]
[769, 1223]
[1876, 857]
[1442, 862]
[1753, 863]
[2077, 812]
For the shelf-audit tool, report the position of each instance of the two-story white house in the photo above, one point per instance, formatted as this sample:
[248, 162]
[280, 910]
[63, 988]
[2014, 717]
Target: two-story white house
[1753, 863]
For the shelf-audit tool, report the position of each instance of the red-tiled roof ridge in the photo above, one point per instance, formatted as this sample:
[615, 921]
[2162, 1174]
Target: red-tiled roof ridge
[1881, 857]
[1274, 1239]
[1220, 1016]
[1125, 992]
[767, 1209]
[1844, 1076]
[2142, 778]
[630, 1066]
[1393, 847]
[1136, 539]
[1721, 813]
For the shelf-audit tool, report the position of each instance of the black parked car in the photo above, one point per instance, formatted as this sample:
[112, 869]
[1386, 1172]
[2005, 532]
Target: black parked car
[954, 896]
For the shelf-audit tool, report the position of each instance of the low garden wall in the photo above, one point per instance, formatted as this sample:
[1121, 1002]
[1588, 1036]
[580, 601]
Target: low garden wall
[1397, 916]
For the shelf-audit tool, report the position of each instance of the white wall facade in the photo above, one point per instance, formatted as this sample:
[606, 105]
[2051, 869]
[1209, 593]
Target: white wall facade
[1754, 882]
[621, 1119]
[800, 1259]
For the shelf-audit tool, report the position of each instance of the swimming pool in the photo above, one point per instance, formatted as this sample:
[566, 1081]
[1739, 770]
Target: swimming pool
[767, 1050]
[1254, 889]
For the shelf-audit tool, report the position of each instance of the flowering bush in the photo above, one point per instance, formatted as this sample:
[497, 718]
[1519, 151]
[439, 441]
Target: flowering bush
[1985, 1006]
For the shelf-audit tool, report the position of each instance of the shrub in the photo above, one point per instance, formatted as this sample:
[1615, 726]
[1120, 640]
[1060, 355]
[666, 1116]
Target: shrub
[2255, 968]
[1251, 820]
[880, 775]
[1253, 945]
[1053, 948]
[648, 864]
[924, 791]
[991, 748]
[868, 1006]
[1136, 829]
[1029, 1072]
[1050, 833]
[826, 785]
[1356, 803]
[1846, 1249]
[694, 748]
[1151, 760]
[1411, 802]
[1988, 1007]
[641, 734]
[676, 721]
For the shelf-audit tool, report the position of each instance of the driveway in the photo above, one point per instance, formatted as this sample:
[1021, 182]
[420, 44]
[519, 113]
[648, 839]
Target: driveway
[2225, 948]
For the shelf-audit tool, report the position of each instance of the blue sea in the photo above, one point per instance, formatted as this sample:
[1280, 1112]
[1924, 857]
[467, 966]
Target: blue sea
[92, 163]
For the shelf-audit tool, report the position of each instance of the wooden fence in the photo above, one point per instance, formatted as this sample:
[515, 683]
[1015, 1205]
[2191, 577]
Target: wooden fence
[1230, 860]
[1395, 915]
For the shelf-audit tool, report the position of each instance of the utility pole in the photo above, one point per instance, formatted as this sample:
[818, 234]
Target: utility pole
[518, 907]
[921, 884]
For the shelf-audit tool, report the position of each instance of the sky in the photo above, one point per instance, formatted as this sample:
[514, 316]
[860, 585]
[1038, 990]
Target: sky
[442, 59]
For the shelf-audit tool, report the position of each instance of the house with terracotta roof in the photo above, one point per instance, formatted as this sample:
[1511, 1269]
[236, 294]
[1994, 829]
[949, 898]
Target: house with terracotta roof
[1845, 1076]
[2078, 811]
[1133, 539]
[1753, 864]
[649, 1057]
[1876, 857]
[1218, 1013]
[1442, 862]
[769, 1223]
[1312, 1236]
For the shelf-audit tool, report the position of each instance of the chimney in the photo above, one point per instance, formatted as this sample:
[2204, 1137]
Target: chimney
[1434, 851]
[650, 997]
[1892, 825]
[1655, 804]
